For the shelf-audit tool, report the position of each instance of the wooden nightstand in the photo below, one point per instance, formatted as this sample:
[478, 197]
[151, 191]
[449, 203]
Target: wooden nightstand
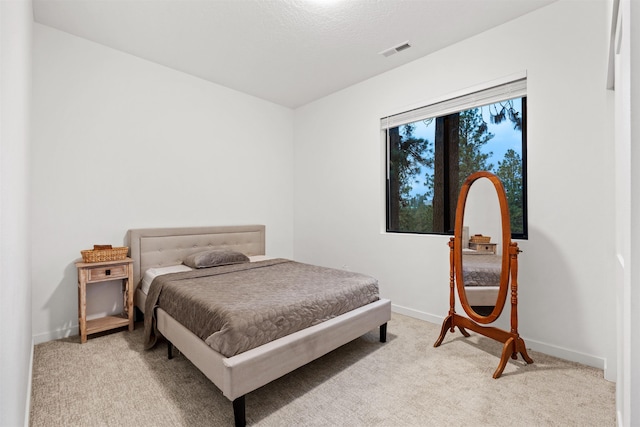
[487, 248]
[94, 272]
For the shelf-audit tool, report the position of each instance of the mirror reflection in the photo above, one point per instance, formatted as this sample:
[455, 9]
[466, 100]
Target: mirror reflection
[482, 247]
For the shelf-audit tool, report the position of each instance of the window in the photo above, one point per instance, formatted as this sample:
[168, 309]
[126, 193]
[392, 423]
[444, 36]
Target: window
[432, 150]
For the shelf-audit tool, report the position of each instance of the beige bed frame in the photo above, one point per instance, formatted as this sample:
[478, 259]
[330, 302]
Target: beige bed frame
[238, 375]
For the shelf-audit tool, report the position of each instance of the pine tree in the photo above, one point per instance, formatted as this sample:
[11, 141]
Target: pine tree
[510, 173]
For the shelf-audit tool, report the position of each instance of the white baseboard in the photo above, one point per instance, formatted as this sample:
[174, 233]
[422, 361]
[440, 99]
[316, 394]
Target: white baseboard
[551, 350]
[55, 335]
[564, 353]
[416, 314]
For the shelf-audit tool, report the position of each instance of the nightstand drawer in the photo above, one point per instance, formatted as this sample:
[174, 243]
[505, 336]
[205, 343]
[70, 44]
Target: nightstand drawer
[105, 273]
[485, 248]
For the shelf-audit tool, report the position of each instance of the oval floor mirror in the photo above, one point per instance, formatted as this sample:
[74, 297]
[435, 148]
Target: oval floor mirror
[484, 266]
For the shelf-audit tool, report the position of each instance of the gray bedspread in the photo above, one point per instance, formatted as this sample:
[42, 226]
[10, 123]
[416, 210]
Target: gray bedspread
[238, 307]
[481, 269]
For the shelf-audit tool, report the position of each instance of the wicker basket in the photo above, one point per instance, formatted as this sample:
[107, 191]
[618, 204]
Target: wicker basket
[479, 238]
[101, 255]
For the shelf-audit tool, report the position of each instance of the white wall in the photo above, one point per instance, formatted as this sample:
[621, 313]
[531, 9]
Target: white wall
[482, 212]
[567, 293]
[633, 321]
[120, 143]
[16, 19]
[626, 37]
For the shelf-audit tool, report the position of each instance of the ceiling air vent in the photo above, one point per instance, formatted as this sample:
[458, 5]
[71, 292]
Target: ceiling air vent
[395, 49]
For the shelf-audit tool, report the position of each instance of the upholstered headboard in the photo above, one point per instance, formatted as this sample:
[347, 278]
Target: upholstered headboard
[158, 247]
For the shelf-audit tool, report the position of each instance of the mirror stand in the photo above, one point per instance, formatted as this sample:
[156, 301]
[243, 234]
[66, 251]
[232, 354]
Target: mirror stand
[489, 272]
[513, 344]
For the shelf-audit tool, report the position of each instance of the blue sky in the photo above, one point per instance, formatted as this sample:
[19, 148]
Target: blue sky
[505, 138]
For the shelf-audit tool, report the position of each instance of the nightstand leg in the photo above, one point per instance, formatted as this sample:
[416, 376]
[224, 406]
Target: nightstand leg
[128, 306]
[82, 307]
[129, 295]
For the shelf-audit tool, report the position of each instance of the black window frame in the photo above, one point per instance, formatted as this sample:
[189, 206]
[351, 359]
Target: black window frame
[448, 172]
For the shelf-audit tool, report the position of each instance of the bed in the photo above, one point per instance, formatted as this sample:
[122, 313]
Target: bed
[481, 272]
[239, 374]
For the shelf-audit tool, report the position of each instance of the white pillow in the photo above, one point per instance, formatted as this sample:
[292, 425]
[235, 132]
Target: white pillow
[256, 258]
[152, 273]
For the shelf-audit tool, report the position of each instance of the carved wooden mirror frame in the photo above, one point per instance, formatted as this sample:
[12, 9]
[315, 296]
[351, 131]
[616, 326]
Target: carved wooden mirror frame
[513, 344]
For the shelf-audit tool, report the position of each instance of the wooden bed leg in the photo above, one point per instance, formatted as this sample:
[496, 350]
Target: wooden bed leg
[169, 350]
[239, 412]
[383, 333]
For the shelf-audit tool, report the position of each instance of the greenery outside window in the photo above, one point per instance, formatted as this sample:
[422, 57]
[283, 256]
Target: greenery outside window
[431, 151]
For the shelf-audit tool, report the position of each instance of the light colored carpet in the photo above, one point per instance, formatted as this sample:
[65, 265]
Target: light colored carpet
[111, 381]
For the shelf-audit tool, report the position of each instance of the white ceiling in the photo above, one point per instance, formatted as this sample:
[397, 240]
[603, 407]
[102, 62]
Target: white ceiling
[290, 52]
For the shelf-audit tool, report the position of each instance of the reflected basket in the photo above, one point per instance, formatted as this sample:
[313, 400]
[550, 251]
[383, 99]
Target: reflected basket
[479, 238]
[102, 255]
